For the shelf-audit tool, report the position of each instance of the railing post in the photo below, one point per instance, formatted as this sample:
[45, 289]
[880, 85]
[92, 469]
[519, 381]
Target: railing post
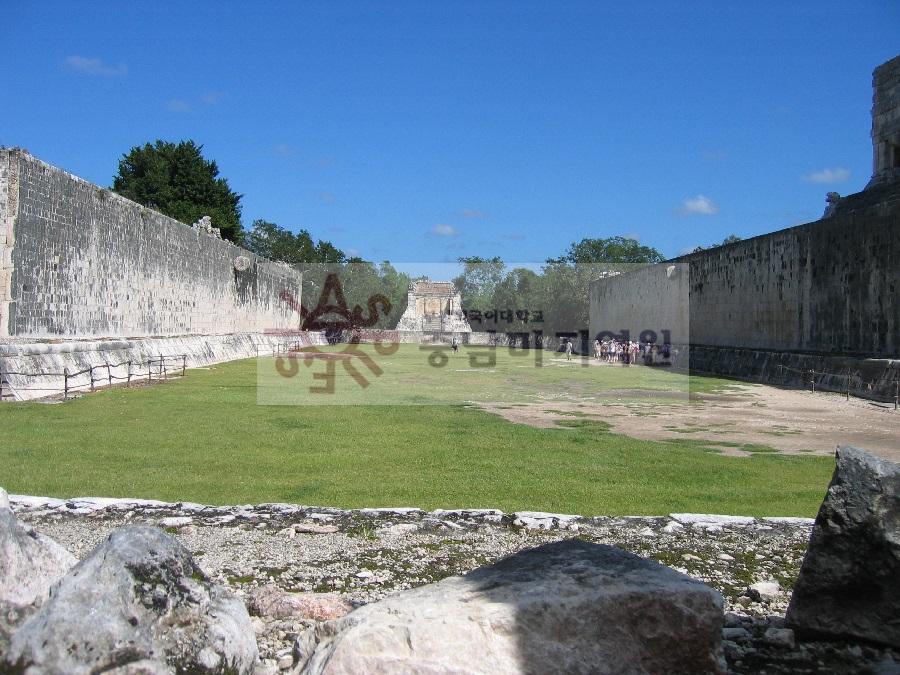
[65, 383]
[1, 385]
[108, 374]
[896, 393]
[149, 371]
[128, 380]
[183, 364]
[91, 372]
[848, 384]
[812, 380]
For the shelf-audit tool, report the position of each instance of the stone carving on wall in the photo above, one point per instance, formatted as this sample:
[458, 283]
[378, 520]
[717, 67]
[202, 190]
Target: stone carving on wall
[833, 198]
[205, 225]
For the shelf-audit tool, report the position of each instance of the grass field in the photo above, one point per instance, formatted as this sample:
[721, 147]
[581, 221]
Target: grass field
[205, 438]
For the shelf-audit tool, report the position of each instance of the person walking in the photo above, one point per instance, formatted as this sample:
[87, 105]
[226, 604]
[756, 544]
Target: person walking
[568, 350]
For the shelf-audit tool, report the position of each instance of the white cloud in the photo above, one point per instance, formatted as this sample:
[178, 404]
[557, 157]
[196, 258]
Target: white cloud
[470, 213]
[838, 175]
[443, 231]
[178, 105]
[283, 150]
[352, 252]
[213, 97]
[698, 206]
[89, 66]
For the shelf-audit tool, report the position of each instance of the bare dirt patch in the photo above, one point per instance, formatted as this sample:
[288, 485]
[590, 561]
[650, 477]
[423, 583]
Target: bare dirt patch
[759, 416]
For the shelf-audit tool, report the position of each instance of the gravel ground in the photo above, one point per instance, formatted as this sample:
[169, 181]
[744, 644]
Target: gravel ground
[365, 555]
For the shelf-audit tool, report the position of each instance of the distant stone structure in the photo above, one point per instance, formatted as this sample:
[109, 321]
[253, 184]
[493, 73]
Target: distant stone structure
[886, 124]
[434, 306]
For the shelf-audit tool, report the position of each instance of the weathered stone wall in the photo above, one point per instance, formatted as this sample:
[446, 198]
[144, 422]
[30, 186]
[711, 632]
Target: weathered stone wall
[649, 304]
[35, 370]
[82, 262]
[886, 123]
[828, 287]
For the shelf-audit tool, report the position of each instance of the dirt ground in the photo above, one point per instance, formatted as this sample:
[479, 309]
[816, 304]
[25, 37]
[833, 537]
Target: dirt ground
[790, 421]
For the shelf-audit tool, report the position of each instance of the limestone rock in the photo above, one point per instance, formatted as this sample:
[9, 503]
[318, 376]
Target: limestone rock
[137, 604]
[565, 607]
[29, 562]
[847, 586]
[273, 602]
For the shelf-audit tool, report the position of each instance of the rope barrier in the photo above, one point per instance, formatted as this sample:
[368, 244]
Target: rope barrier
[846, 373]
[160, 362]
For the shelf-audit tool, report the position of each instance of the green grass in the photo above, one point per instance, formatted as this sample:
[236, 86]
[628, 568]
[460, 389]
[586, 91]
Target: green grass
[205, 439]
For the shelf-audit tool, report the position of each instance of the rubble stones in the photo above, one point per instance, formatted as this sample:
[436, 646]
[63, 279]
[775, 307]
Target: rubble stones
[240, 548]
[848, 584]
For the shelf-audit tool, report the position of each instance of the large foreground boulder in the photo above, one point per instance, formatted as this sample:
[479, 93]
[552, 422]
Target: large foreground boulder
[30, 564]
[138, 602]
[849, 583]
[565, 607]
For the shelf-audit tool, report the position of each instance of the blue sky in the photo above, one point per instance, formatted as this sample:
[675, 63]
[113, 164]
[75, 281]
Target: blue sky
[426, 131]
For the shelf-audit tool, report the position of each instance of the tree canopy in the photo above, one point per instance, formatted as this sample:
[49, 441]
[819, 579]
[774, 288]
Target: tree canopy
[276, 243]
[611, 250]
[177, 181]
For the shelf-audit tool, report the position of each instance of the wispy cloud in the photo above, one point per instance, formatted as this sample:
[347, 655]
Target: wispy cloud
[470, 213]
[178, 105]
[698, 206]
[838, 175]
[352, 252]
[516, 236]
[213, 97]
[325, 196]
[88, 66]
[440, 230]
[714, 155]
[283, 150]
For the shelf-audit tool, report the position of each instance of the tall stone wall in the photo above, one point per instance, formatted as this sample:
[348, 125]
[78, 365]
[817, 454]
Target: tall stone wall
[79, 261]
[832, 286]
[886, 123]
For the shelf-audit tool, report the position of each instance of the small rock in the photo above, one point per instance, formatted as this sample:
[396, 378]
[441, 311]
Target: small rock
[273, 602]
[736, 634]
[175, 521]
[764, 591]
[780, 637]
[732, 620]
[725, 557]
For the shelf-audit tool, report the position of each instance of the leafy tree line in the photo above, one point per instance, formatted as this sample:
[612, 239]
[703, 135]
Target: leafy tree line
[179, 182]
[553, 300]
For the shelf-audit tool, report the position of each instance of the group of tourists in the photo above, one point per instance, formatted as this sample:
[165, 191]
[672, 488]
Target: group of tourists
[615, 351]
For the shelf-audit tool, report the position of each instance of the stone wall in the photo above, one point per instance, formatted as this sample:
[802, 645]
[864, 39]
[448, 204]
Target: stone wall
[828, 287]
[79, 261]
[35, 370]
[886, 123]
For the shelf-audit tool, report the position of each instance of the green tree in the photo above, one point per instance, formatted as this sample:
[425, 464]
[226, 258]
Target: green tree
[478, 281]
[276, 243]
[615, 250]
[177, 181]
[730, 239]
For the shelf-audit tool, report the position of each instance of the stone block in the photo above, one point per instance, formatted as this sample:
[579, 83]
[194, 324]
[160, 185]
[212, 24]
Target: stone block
[848, 583]
[566, 607]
